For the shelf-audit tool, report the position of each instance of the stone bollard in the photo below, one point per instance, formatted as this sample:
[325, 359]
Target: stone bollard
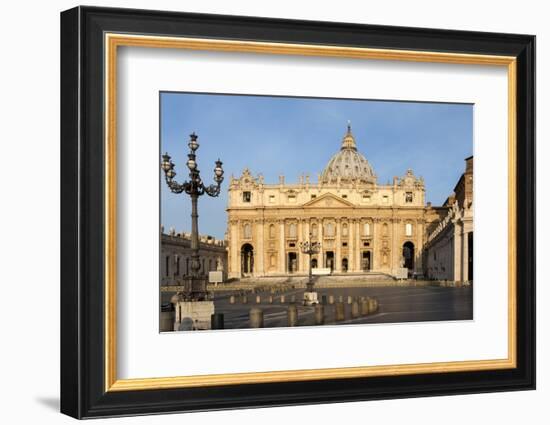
[216, 321]
[270, 299]
[319, 314]
[355, 310]
[293, 299]
[372, 307]
[324, 300]
[292, 314]
[376, 305]
[364, 307]
[258, 299]
[331, 299]
[245, 299]
[350, 299]
[339, 312]
[282, 299]
[232, 299]
[256, 318]
[341, 299]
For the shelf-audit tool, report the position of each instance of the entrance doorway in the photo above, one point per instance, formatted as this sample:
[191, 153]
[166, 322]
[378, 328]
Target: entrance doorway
[330, 260]
[366, 261]
[292, 263]
[344, 265]
[408, 255]
[247, 259]
[314, 263]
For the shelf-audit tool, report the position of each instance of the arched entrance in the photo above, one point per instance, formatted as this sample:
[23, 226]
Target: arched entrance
[314, 263]
[344, 265]
[408, 255]
[247, 259]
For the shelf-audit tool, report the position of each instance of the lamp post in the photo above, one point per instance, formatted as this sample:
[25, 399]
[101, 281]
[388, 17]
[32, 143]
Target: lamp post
[194, 187]
[309, 248]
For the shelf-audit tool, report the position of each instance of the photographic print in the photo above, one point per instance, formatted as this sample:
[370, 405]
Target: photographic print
[290, 211]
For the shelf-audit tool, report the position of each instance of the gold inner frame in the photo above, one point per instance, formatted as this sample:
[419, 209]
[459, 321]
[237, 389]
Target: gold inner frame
[113, 41]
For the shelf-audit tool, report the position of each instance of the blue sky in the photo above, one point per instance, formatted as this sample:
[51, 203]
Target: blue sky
[293, 136]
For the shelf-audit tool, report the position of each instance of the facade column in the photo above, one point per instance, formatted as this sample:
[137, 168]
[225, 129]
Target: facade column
[351, 247]
[260, 256]
[282, 247]
[375, 245]
[338, 250]
[235, 266]
[300, 238]
[357, 247]
[306, 236]
[321, 260]
[457, 251]
[396, 252]
[419, 246]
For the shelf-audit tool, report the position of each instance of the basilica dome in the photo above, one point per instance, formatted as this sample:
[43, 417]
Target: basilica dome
[348, 164]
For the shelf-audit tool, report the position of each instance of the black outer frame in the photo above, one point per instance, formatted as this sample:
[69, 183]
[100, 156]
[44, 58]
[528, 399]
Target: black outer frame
[82, 207]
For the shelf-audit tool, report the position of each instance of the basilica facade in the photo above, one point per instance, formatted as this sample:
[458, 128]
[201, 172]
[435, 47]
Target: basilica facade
[362, 226]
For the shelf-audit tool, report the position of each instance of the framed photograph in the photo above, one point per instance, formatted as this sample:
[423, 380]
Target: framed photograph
[261, 212]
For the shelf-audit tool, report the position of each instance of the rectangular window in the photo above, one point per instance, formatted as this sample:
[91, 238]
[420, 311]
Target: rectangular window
[408, 197]
[292, 198]
[313, 196]
[247, 196]
[366, 198]
[385, 199]
[271, 199]
[344, 196]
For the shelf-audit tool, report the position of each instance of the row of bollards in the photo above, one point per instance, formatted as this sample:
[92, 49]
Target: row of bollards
[363, 306]
[330, 300]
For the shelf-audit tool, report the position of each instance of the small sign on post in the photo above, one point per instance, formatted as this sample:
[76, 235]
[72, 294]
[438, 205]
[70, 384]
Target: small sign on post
[215, 277]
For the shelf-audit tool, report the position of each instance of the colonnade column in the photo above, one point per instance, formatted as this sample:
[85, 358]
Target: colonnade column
[464, 255]
[457, 250]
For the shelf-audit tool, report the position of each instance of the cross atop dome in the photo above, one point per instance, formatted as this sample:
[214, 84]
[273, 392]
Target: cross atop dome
[348, 142]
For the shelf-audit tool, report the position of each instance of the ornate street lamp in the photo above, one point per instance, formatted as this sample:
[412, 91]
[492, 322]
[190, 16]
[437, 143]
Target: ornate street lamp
[194, 187]
[309, 248]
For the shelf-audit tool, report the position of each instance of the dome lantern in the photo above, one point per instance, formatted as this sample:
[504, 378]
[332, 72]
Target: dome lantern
[348, 142]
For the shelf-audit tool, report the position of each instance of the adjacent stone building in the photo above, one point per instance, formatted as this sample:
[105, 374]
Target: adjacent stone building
[450, 246]
[176, 256]
[363, 226]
